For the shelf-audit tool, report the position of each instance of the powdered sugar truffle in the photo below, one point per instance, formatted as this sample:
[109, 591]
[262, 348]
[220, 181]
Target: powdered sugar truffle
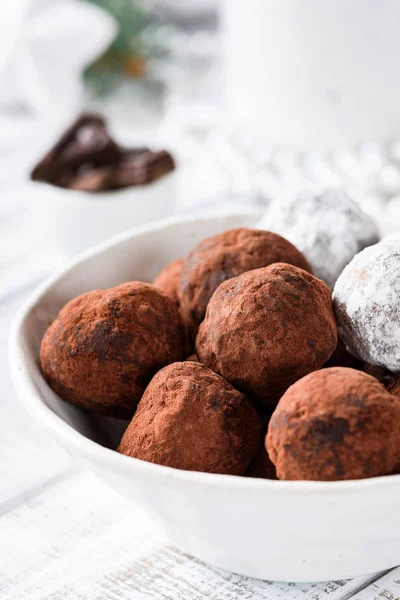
[366, 298]
[329, 228]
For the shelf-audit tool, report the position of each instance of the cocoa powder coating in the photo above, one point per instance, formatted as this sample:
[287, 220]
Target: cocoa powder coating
[190, 418]
[267, 328]
[335, 424]
[168, 279]
[106, 345]
[221, 257]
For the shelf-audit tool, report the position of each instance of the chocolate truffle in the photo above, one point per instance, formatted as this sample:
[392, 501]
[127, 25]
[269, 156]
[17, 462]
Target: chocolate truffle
[106, 345]
[329, 228]
[333, 424]
[190, 418]
[221, 257]
[86, 144]
[366, 299]
[267, 328]
[168, 279]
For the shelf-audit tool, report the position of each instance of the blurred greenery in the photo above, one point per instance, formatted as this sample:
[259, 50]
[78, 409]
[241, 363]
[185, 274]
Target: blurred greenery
[128, 55]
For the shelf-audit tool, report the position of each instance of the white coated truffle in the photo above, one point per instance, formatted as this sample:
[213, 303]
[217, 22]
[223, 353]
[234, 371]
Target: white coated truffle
[329, 228]
[367, 304]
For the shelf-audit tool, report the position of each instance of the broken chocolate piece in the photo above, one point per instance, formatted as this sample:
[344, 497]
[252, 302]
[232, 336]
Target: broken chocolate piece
[86, 142]
[136, 169]
[86, 158]
[95, 180]
[141, 168]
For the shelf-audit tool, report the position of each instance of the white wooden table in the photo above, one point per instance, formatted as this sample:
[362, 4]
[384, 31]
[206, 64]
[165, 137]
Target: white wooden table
[64, 535]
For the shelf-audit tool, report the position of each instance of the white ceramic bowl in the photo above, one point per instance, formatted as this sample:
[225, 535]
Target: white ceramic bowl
[293, 531]
[72, 221]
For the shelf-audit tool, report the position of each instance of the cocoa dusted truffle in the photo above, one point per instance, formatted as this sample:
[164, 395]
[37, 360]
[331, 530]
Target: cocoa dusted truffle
[329, 228]
[106, 345]
[366, 299]
[267, 328]
[335, 424]
[190, 418]
[221, 257]
[168, 279]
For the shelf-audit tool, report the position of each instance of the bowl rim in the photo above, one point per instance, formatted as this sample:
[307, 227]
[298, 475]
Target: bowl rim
[110, 459]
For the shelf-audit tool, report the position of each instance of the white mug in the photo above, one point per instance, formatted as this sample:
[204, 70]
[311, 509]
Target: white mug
[314, 74]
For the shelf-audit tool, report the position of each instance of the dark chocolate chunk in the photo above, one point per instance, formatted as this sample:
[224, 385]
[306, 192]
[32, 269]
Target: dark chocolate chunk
[137, 169]
[86, 142]
[140, 168]
[95, 180]
[86, 158]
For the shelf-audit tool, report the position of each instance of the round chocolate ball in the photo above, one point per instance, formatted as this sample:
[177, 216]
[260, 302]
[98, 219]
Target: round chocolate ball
[267, 328]
[106, 345]
[221, 257]
[190, 418]
[329, 228]
[335, 424]
[168, 279]
[366, 299]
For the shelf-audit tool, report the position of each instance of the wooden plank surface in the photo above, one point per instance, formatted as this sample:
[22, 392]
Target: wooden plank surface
[386, 587]
[80, 540]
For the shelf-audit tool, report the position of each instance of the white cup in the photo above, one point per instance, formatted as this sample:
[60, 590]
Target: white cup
[312, 73]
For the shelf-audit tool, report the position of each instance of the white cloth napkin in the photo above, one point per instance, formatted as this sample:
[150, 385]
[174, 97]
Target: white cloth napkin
[44, 47]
